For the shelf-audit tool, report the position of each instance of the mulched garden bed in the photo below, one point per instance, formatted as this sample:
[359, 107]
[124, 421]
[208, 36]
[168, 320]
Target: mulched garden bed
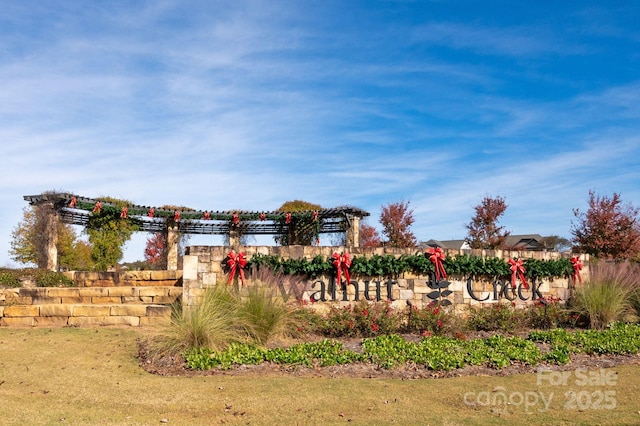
[176, 366]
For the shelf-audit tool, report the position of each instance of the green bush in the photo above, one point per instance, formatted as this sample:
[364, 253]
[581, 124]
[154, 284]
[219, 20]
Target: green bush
[496, 317]
[431, 320]
[10, 278]
[362, 319]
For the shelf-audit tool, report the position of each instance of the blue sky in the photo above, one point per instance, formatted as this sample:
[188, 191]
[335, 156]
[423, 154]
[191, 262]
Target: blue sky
[247, 104]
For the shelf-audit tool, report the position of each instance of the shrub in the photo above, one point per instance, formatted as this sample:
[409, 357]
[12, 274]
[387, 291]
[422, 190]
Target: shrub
[433, 319]
[43, 278]
[608, 296]
[550, 312]
[363, 319]
[495, 317]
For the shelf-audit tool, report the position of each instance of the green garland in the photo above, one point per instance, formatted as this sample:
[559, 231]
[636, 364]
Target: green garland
[418, 264]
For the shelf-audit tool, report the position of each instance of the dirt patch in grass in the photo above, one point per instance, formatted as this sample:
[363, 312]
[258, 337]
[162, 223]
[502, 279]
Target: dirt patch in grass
[176, 366]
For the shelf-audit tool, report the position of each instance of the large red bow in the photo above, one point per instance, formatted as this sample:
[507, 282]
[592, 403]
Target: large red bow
[577, 267]
[73, 202]
[124, 213]
[97, 207]
[517, 271]
[436, 256]
[236, 262]
[342, 264]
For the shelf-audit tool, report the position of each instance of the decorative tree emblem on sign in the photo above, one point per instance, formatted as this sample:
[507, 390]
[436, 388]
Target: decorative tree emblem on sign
[439, 287]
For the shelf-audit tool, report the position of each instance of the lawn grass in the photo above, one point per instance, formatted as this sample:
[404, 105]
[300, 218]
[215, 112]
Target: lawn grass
[91, 376]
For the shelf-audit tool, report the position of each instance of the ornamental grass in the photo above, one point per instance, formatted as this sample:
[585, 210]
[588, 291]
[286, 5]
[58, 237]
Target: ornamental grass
[608, 296]
[213, 324]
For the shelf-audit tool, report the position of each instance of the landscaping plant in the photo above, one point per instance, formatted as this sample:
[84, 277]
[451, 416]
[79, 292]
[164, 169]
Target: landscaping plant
[607, 296]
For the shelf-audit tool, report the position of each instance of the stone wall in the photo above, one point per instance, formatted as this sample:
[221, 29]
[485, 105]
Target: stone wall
[101, 298]
[204, 267]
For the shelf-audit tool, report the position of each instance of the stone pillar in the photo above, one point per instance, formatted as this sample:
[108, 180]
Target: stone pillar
[49, 235]
[172, 248]
[353, 232]
[234, 238]
[191, 285]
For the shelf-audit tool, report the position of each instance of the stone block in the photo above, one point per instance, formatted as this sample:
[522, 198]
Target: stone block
[86, 321]
[131, 299]
[122, 320]
[146, 299]
[105, 300]
[63, 292]
[32, 292]
[122, 291]
[128, 310]
[1, 311]
[46, 300]
[22, 311]
[158, 311]
[85, 300]
[406, 294]
[402, 283]
[154, 321]
[18, 321]
[154, 291]
[164, 300]
[209, 279]
[91, 310]
[56, 310]
[52, 321]
[93, 292]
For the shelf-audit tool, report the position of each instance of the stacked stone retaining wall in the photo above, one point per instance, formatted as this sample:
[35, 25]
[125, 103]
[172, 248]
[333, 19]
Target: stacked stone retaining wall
[105, 298]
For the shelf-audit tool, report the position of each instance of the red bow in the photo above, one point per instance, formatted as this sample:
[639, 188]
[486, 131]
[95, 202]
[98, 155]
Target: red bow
[342, 264]
[517, 271]
[287, 218]
[235, 219]
[73, 202]
[124, 212]
[152, 211]
[577, 267]
[97, 207]
[436, 256]
[176, 217]
[236, 262]
[263, 216]
[315, 215]
[206, 215]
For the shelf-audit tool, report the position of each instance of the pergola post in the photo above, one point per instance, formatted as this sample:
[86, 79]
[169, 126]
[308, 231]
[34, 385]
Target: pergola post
[50, 235]
[234, 238]
[172, 247]
[353, 232]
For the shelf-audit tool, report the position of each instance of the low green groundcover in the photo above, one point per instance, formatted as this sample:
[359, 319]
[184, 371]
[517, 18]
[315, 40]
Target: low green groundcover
[436, 353]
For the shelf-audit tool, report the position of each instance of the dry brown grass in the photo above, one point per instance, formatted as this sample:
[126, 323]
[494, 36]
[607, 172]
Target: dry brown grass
[91, 376]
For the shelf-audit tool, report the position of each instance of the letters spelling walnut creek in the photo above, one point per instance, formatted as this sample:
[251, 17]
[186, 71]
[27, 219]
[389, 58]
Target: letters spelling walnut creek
[500, 290]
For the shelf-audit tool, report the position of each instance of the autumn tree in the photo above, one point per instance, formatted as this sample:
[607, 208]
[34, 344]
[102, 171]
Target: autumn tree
[302, 230]
[556, 243]
[108, 233]
[396, 220]
[29, 241]
[369, 236]
[483, 230]
[608, 229]
[155, 251]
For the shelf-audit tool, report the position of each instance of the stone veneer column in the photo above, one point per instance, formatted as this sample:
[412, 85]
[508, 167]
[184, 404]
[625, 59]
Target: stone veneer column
[50, 235]
[172, 248]
[353, 232]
